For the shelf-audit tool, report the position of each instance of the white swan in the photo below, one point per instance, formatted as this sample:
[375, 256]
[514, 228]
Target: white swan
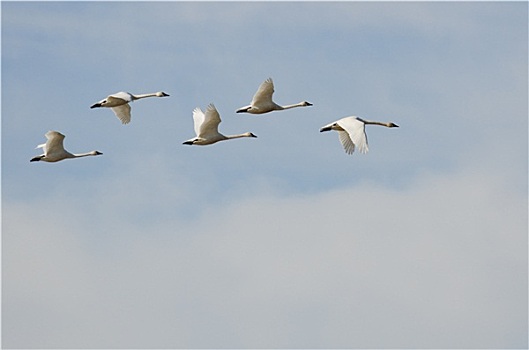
[119, 102]
[352, 133]
[206, 128]
[262, 101]
[54, 150]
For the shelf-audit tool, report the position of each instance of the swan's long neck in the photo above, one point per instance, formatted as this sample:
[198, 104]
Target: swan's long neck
[370, 122]
[137, 97]
[247, 134]
[301, 104]
[79, 155]
[152, 94]
[292, 106]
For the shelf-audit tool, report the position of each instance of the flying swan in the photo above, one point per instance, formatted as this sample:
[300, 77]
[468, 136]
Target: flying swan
[262, 101]
[206, 128]
[352, 132]
[54, 150]
[119, 102]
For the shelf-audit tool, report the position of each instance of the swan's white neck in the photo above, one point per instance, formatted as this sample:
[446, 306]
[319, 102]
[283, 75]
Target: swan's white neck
[229, 137]
[79, 155]
[137, 97]
[300, 104]
[370, 122]
[292, 106]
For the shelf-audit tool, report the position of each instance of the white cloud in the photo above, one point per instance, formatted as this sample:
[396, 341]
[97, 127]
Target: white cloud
[441, 265]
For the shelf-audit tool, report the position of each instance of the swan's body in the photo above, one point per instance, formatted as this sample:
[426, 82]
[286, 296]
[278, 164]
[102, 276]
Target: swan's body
[119, 102]
[262, 101]
[206, 128]
[352, 132]
[54, 150]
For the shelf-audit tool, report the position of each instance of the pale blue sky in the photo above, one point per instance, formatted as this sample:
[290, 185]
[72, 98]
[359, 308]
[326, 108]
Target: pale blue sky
[283, 241]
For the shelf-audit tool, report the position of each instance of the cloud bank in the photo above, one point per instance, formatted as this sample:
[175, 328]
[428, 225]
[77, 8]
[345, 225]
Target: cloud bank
[440, 265]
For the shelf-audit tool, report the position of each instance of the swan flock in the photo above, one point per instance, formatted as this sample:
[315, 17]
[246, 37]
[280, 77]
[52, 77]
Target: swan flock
[351, 130]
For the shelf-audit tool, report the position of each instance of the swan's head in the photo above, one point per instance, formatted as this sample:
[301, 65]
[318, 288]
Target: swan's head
[305, 104]
[96, 153]
[161, 94]
[249, 134]
[392, 125]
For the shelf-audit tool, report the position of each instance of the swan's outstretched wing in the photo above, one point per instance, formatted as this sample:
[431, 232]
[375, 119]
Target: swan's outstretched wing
[210, 125]
[346, 141]
[114, 100]
[122, 112]
[264, 93]
[119, 97]
[54, 143]
[357, 134]
[198, 119]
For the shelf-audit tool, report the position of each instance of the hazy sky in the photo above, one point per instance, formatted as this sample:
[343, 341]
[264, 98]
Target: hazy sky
[283, 241]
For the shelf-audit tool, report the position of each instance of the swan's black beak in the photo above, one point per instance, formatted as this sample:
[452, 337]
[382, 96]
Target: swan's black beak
[253, 135]
[95, 105]
[326, 128]
[187, 143]
[164, 94]
[308, 103]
